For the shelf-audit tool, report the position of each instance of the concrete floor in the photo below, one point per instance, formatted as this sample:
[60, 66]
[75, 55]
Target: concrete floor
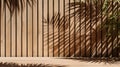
[58, 61]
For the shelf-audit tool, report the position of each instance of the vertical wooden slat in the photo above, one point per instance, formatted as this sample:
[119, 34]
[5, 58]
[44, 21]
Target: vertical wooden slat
[112, 30]
[21, 31]
[38, 28]
[90, 28]
[64, 27]
[106, 30]
[53, 27]
[0, 27]
[118, 30]
[59, 28]
[11, 29]
[85, 26]
[5, 31]
[96, 28]
[101, 26]
[74, 31]
[69, 28]
[48, 28]
[16, 33]
[42, 28]
[80, 29]
[32, 31]
[26, 28]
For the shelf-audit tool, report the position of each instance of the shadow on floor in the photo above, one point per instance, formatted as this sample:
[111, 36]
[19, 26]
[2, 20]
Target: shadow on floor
[95, 60]
[28, 65]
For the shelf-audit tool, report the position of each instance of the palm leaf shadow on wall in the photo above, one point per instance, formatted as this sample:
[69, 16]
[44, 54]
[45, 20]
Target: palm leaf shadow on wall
[90, 30]
[13, 5]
